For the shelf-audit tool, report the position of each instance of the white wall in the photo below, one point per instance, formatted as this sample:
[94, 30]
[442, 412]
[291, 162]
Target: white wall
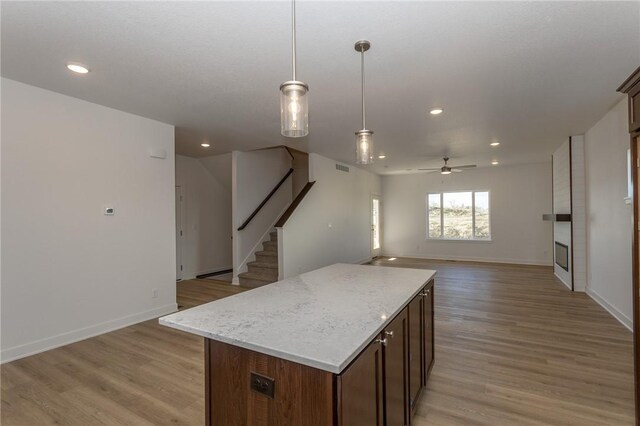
[254, 175]
[69, 271]
[206, 214]
[333, 223]
[219, 166]
[562, 204]
[609, 226]
[519, 196]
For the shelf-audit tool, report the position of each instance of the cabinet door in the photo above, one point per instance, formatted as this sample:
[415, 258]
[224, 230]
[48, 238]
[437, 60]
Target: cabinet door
[427, 328]
[396, 371]
[360, 394]
[415, 349]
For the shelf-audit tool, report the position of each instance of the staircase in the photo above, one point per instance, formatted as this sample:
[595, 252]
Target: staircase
[264, 270]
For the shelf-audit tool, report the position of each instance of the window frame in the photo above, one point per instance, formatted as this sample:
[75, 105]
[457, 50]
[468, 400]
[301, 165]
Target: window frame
[473, 217]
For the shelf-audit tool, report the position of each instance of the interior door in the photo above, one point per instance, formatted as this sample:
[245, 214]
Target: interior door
[179, 233]
[376, 243]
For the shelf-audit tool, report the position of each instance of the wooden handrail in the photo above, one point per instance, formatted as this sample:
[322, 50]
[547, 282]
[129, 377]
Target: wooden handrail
[273, 191]
[285, 216]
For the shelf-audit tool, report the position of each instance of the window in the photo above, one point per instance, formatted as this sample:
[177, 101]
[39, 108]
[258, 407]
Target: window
[458, 216]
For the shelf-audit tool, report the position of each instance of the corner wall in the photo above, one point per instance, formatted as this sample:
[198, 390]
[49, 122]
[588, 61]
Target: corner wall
[519, 196]
[69, 271]
[609, 226]
[333, 223]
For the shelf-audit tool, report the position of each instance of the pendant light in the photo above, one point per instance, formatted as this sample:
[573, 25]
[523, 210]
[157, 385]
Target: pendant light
[294, 102]
[364, 137]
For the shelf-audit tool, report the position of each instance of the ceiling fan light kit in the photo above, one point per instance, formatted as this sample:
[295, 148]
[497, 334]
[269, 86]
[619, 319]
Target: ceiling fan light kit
[364, 137]
[294, 99]
[447, 170]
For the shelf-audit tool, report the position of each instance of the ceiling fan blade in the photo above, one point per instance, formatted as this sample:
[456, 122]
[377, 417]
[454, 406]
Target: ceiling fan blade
[456, 170]
[433, 170]
[466, 166]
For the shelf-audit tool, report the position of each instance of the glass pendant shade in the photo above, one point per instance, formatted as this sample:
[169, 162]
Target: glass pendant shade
[364, 147]
[294, 109]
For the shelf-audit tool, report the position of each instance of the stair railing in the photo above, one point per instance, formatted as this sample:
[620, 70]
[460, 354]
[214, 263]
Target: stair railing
[267, 198]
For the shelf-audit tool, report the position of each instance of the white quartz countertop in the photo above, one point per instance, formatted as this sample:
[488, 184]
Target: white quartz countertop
[323, 318]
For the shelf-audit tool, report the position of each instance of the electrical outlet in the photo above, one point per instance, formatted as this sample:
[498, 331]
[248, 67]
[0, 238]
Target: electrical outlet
[155, 293]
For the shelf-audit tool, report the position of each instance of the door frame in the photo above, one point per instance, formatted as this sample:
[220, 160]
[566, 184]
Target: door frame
[378, 251]
[179, 231]
[635, 250]
[631, 88]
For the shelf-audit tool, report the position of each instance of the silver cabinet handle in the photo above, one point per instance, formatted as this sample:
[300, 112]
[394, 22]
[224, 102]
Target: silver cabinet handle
[389, 333]
[383, 342]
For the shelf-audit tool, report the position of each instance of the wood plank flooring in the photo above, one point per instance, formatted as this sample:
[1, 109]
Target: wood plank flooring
[513, 347]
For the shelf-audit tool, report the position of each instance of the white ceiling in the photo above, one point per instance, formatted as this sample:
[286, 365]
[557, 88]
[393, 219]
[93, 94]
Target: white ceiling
[528, 74]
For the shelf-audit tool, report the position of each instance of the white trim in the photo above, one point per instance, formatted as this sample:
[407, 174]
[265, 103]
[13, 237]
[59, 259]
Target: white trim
[473, 259]
[622, 318]
[362, 261]
[560, 278]
[48, 343]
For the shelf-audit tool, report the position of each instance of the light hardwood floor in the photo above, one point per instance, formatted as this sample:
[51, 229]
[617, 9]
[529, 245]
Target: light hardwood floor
[513, 346]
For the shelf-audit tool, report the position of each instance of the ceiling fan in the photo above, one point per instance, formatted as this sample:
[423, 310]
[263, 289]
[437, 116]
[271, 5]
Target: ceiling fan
[446, 169]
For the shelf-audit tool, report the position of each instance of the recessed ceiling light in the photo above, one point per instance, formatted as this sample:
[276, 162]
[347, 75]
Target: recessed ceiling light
[382, 156]
[495, 162]
[205, 145]
[79, 68]
[494, 143]
[436, 111]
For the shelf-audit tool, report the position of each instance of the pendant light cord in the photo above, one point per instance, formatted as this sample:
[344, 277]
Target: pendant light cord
[364, 126]
[293, 44]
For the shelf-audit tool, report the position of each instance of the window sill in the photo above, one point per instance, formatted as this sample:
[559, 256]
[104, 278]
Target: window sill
[457, 240]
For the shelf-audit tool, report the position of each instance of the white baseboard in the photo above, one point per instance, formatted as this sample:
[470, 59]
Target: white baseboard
[473, 259]
[361, 261]
[622, 318]
[63, 339]
[561, 280]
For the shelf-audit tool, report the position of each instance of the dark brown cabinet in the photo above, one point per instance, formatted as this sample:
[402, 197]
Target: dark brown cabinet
[396, 364]
[360, 389]
[415, 349]
[379, 387]
[428, 336]
[406, 352]
[421, 342]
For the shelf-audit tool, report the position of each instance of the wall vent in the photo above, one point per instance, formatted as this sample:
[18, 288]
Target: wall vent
[342, 168]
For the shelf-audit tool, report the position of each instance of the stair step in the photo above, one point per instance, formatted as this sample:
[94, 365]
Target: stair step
[270, 246]
[262, 264]
[266, 269]
[251, 280]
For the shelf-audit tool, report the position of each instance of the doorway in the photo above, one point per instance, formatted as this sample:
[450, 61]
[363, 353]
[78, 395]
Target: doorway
[179, 233]
[375, 226]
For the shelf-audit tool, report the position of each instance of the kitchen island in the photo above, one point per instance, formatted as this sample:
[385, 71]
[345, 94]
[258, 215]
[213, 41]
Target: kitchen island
[342, 345]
